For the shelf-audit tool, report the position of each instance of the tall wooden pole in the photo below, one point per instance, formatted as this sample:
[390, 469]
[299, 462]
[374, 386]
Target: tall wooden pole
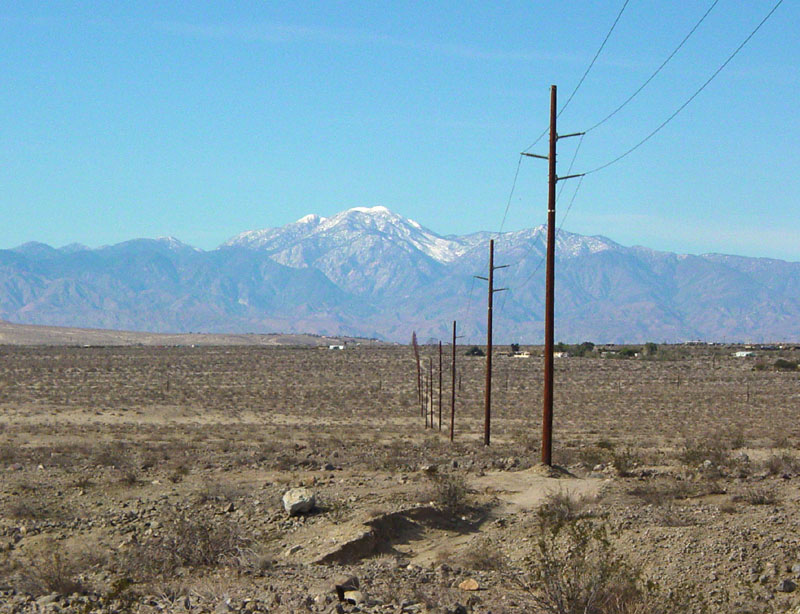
[425, 398]
[453, 390]
[487, 398]
[440, 386]
[430, 389]
[547, 409]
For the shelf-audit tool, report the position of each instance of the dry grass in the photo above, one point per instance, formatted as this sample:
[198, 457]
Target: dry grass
[188, 540]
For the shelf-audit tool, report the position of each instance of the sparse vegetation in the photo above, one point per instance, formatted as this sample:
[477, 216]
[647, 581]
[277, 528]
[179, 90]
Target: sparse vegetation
[450, 492]
[574, 569]
[560, 507]
[52, 570]
[237, 427]
[185, 540]
[758, 496]
[784, 365]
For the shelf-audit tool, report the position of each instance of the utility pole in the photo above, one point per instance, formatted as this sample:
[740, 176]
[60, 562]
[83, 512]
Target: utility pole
[453, 390]
[553, 178]
[430, 389]
[419, 371]
[440, 386]
[487, 391]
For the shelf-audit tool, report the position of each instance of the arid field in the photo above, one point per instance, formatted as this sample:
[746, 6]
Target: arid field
[150, 479]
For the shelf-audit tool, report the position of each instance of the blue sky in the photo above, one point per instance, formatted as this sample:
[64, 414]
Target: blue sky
[202, 120]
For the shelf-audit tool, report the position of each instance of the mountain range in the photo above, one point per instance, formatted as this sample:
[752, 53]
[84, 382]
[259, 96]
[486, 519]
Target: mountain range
[369, 272]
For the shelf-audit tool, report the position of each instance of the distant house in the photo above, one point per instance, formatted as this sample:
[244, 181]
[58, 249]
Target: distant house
[335, 347]
[560, 354]
[744, 354]
[522, 354]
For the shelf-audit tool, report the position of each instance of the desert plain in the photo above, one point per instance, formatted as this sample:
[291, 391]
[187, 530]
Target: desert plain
[150, 479]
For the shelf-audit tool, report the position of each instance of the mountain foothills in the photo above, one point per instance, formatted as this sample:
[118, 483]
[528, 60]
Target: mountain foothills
[371, 273]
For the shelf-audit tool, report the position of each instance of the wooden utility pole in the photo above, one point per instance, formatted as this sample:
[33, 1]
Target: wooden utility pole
[440, 386]
[419, 371]
[425, 398]
[453, 391]
[487, 390]
[549, 311]
[430, 389]
[549, 302]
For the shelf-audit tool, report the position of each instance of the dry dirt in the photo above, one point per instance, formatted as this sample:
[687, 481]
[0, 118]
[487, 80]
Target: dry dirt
[149, 479]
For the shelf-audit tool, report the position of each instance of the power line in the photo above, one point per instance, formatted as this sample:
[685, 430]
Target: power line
[560, 228]
[585, 74]
[594, 59]
[558, 197]
[511, 195]
[692, 97]
[658, 70]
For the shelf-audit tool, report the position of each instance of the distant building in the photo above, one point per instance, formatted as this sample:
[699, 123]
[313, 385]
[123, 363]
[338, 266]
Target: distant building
[335, 347]
[744, 354]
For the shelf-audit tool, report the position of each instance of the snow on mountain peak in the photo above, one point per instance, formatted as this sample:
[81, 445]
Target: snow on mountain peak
[373, 210]
[311, 218]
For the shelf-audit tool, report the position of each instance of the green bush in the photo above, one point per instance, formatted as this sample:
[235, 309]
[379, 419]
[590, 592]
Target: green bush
[785, 365]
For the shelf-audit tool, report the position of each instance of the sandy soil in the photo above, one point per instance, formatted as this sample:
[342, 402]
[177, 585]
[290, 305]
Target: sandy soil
[137, 479]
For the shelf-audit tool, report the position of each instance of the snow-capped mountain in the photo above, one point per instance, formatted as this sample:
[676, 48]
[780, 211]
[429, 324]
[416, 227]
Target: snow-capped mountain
[353, 225]
[370, 272]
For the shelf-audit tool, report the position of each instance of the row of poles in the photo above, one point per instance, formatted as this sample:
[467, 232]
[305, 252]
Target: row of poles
[547, 396]
[425, 392]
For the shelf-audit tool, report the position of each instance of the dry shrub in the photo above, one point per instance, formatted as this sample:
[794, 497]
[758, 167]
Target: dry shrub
[211, 491]
[574, 569]
[670, 516]
[112, 455]
[51, 570]
[10, 454]
[28, 508]
[758, 496]
[779, 464]
[186, 540]
[625, 461]
[661, 492]
[695, 453]
[560, 507]
[450, 492]
[128, 476]
[482, 555]
[593, 455]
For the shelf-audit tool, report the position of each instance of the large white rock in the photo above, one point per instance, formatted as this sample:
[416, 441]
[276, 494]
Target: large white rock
[298, 501]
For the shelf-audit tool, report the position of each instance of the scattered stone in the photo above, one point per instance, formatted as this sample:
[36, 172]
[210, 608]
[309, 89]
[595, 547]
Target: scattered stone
[345, 584]
[786, 586]
[354, 597]
[298, 501]
[469, 584]
[293, 549]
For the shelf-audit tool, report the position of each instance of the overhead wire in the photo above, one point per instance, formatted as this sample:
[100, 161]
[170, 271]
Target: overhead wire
[585, 74]
[691, 98]
[511, 195]
[533, 244]
[657, 70]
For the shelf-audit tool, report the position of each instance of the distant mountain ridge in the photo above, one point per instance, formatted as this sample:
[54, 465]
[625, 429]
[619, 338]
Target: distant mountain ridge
[372, 273]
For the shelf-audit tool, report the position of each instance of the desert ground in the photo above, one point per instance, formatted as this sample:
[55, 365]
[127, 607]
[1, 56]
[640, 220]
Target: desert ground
[150, 479]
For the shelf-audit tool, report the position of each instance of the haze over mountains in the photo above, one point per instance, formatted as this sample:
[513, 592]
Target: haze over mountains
[369, 272]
